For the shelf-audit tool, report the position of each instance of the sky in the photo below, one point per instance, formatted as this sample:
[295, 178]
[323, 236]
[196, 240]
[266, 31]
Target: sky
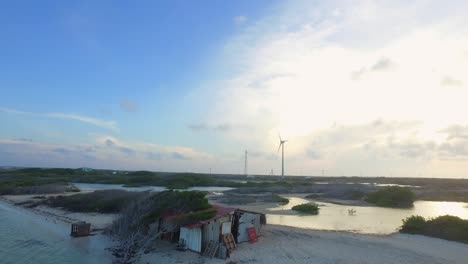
[358, 88]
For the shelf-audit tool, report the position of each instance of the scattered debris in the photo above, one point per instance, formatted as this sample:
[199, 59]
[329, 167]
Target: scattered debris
[80, 229]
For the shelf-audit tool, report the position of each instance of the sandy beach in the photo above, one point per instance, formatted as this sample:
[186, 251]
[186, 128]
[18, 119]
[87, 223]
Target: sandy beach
[280, 244]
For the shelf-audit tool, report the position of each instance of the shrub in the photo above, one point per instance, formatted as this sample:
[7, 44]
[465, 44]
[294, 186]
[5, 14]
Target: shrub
[283, 201]
[181, 202]
[313, 196]
[273, 198]
[357, 195]
[106, 201]
[308, 208]
[392, 196]
[446, 227]
[413, 225]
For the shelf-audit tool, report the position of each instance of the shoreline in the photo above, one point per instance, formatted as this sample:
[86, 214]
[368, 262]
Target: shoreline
[54, 227]
[285, 244]
[98, 221]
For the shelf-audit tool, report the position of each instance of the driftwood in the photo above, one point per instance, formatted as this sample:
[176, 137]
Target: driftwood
[134, 235]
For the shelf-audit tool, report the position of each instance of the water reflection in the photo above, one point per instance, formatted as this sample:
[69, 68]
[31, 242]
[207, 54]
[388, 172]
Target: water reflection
[374, 220]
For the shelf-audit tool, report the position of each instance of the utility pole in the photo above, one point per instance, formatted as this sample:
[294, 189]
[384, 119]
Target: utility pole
[245, 164]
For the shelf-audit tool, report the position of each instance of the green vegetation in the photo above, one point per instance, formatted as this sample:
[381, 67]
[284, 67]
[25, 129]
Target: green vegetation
[313, 196]
[445, 227]
[196, 216]
[283, 201]
[273, 198]
[308, 208]
[413, 225]
[234, 184]
[392, 196]
[21, 181]
[357, 195]
[106, 201]
[139, 225]
[176, 202]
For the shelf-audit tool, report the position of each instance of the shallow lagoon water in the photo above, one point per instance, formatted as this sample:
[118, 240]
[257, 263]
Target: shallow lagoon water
[367, 220]
[29, 238]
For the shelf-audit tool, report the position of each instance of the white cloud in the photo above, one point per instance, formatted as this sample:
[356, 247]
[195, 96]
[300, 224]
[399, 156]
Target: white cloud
[448, 81]
[110, 125]
[292, 72]
[104, 152]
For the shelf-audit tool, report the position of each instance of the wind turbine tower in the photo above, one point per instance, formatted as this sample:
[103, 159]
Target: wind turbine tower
[281, 145]
[245, 164]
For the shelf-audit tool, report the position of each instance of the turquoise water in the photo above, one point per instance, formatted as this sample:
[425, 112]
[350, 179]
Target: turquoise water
[28, 238]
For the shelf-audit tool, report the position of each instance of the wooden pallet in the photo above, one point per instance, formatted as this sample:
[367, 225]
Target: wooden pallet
[211, 249]
[229, 241]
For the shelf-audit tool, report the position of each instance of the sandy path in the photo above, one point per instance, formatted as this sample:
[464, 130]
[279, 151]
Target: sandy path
[291, 245]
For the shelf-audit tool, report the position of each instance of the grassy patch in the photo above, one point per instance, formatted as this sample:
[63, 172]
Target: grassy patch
[195, 217]
[180, 202]
[307, 208]
[392, 196]
[446, 227]
[273, 198]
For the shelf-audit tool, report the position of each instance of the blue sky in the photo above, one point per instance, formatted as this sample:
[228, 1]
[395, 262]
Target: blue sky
[188, 86]
[94, 59]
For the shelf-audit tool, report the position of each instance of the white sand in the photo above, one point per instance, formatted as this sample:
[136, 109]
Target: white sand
[281, 244]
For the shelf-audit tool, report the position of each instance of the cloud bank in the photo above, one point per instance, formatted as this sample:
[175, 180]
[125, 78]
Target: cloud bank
[321, 73]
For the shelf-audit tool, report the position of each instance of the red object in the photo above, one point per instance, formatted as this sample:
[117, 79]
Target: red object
[252, 234]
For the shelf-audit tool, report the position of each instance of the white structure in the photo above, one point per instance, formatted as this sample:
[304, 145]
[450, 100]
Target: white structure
[281, 145]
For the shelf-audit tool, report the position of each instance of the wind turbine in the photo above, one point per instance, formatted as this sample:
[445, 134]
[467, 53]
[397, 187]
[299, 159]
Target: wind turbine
[281, 145]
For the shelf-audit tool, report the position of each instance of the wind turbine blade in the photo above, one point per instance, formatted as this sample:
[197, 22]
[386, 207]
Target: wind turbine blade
[279, 147]
[279, 135]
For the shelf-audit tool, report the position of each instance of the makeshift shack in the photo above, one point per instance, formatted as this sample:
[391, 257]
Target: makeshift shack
[201, 235]
[79, 229]
[196, 236]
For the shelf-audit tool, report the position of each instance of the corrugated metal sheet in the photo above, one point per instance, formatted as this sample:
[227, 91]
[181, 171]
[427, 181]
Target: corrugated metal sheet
[226, 228]
[245, 221]
[212, 230]
[192, 238]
